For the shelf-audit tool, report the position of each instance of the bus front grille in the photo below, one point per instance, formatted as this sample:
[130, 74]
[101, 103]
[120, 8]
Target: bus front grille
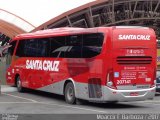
[131, 60]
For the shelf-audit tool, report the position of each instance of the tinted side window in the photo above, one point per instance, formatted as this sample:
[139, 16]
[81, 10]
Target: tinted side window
[42, 48]
[57, 45]
[20, 48]
[92, 44]
[30, 48]
[74, 44]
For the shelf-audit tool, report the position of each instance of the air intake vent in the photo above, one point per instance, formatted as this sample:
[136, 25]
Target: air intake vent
[94, 87]
[134, 60]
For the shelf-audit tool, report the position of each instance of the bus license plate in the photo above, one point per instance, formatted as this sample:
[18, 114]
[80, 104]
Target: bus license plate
[134, 94]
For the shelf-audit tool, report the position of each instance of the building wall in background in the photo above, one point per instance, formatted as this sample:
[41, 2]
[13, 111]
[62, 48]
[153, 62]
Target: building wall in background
[2, 71]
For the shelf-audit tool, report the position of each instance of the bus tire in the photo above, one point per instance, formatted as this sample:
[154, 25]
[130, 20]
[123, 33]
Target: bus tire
[19, 84]
[69, 93]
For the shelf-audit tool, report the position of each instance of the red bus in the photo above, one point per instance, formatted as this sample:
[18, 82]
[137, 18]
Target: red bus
[96, 64]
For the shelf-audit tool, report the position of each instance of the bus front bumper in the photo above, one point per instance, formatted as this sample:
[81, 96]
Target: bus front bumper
[128, 95]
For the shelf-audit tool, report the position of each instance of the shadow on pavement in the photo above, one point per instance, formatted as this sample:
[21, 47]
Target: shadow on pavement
[45, 94]
[118, 105]
[157, 94]
[110, 105]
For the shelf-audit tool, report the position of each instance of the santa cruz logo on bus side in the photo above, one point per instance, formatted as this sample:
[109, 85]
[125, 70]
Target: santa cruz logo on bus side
[134, 37]
[45, 65]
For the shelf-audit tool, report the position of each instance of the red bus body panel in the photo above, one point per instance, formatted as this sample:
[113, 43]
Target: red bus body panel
[133, 58]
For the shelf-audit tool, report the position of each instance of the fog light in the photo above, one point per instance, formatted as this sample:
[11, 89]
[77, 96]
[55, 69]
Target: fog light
[110, 83]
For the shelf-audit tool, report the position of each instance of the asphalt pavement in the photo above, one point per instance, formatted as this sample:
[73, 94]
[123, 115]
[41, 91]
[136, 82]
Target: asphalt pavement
[37, 102]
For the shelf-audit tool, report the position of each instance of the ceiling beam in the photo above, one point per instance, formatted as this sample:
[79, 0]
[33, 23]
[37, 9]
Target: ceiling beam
[9, 29]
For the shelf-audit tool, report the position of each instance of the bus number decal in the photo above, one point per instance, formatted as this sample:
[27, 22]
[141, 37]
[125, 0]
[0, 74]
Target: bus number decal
[45, 65]
[120, 82]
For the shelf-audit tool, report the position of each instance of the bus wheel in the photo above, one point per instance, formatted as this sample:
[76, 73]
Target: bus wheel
[70, 93]
[19, 85]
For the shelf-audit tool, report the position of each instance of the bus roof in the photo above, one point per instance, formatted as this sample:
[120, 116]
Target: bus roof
[69, 30]
[56, 31]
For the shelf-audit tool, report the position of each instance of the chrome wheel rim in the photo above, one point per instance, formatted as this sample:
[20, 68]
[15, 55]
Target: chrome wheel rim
[70, 93]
